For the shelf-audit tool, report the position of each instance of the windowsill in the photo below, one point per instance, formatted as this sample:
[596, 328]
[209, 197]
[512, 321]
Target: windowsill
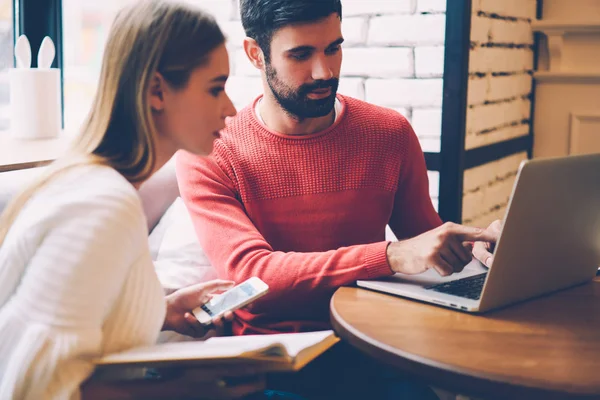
[22, 154]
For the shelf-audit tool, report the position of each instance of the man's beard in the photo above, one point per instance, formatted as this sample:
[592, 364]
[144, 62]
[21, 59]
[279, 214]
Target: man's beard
[295, 102]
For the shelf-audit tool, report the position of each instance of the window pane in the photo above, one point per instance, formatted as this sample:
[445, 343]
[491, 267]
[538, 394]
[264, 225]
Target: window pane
[85, 28]
[6, 58]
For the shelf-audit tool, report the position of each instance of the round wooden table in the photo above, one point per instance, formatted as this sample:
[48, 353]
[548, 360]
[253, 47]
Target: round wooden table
[545, 348]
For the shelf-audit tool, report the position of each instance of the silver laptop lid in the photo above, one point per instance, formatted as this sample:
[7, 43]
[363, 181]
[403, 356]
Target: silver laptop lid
[551, 236]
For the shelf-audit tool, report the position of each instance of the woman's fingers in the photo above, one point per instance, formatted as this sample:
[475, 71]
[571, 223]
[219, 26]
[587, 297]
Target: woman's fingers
[196, 295]
[228, 316]
[214, 286]
[195, 327]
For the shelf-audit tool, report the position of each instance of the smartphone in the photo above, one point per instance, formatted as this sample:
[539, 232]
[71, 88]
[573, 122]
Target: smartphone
[231, 300]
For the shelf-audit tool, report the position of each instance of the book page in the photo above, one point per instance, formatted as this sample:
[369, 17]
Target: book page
[194, 350]
[220, 347]
[293, 343]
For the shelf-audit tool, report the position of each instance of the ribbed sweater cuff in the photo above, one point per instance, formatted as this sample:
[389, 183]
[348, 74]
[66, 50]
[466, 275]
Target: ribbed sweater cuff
[376, 262]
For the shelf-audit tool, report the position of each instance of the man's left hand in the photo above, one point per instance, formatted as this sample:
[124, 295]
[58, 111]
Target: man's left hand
[483, 250]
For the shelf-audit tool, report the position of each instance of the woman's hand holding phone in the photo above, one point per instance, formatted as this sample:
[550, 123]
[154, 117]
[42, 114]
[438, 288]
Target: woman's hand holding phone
[179, 317]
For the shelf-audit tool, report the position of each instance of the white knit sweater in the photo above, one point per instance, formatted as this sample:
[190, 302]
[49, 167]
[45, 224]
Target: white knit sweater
[76, 282]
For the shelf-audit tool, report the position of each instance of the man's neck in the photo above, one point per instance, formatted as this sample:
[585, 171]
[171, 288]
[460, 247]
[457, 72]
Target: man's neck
[280, 121]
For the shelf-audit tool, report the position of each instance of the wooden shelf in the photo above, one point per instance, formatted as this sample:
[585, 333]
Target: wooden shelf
[22, 154]
[567, 77]
[561, 27]
[556, 33]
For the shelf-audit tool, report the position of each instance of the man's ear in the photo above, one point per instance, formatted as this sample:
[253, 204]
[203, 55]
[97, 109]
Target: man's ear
[156, 92]
[254, 53]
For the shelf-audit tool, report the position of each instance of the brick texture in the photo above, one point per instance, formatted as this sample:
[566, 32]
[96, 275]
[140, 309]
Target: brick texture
[487, 189]
[507, 8]
[431, 6]
[355, 31]
[494, 88]
[376, 62]
[405, 92]
[373, 7]
[485, 29]
[429, 61]
[407, 30]
[500, 85]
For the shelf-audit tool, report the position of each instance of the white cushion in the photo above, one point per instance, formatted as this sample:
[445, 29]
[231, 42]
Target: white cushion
[178, 258]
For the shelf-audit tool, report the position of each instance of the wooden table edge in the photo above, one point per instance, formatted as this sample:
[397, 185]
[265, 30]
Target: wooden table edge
[25, 165]
[440, 374]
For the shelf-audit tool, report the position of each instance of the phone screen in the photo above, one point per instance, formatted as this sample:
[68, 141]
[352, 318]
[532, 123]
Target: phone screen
[230, 299]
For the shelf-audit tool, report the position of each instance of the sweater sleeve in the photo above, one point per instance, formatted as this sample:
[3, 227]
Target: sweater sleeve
[80, 260]
[413, 211]
[238, 251]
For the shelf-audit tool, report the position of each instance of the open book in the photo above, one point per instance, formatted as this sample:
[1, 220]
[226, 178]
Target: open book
[282, 352]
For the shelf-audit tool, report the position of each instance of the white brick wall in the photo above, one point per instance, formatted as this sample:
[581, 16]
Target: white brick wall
[355, 31]
[243, 90]
[405, 92]
[241, 63]
[431, 6]
[234, 32]
[222, 10]
[405, 112]
[427, 121]
[407, 30]
[378, 62]
[371, 7]
[353, 87]
[434, 184]
[429, 61]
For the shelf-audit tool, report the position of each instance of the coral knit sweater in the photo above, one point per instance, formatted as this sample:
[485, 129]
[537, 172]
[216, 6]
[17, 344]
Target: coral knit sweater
[306, 214]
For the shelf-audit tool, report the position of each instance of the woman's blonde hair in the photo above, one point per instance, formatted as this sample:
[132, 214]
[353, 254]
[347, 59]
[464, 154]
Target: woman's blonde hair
[146, 37]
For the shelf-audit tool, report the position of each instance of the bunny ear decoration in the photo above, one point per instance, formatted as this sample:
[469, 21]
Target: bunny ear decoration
[35, 93]
[46, 53]
[23, 52]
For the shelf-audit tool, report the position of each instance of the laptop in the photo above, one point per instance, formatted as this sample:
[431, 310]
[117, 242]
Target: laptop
[550, 241]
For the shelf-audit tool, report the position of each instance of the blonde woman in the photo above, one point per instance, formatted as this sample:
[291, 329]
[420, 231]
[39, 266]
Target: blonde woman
[76, 276]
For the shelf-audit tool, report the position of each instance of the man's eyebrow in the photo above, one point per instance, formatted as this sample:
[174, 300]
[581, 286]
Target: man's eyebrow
[300, 49]
[336, 42]
[221, 78]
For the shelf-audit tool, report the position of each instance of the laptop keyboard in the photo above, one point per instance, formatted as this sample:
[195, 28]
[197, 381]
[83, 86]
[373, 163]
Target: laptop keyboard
[470, 287]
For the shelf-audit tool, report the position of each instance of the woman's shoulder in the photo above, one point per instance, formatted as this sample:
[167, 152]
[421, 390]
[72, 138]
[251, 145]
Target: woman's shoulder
[93, 192]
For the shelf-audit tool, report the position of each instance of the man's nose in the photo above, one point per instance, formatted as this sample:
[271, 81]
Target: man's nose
[321, 70]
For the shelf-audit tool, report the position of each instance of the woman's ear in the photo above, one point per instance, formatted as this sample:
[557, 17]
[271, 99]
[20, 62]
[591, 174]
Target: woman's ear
[254, 53]
[156, 93]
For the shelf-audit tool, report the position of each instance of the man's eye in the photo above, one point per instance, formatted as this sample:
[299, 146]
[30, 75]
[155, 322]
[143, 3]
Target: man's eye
[300, 56]
[333, 50]
[216, 91]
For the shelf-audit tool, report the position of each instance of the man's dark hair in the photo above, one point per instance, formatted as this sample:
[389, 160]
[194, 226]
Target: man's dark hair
[262, 18]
